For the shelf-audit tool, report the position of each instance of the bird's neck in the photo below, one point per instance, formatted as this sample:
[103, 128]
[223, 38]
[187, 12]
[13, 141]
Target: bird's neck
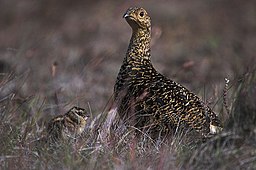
[139, 48]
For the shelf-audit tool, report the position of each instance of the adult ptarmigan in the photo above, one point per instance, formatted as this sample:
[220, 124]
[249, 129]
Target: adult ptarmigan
[147, 99]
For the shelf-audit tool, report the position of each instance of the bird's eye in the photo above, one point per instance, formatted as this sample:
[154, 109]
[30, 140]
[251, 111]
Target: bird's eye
[142, 14]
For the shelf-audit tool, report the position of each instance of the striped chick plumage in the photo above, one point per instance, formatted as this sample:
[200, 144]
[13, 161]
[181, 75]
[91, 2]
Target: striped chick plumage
[147, 99]
[67, 126]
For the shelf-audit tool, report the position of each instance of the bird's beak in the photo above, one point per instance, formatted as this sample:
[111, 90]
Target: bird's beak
[125, 15]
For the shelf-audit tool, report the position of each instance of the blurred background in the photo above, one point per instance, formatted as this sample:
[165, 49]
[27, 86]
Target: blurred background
[66, 53]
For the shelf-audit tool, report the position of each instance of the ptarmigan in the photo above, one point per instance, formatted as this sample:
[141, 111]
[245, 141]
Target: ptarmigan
[147, 99]
[68, 125]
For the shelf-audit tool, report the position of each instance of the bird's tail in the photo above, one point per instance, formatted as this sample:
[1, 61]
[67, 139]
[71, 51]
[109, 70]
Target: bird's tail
[215, 129]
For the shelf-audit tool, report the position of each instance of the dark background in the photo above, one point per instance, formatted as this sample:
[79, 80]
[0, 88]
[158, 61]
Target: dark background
[196, 43]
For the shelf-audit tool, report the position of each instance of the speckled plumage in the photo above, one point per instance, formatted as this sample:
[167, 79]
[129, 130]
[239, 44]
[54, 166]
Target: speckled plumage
[68, 125]
[146, 98]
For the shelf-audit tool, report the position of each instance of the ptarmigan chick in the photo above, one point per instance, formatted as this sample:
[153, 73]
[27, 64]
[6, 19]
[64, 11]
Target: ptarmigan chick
[67, 126]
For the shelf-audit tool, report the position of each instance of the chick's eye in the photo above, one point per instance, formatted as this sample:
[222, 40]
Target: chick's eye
[142, 14]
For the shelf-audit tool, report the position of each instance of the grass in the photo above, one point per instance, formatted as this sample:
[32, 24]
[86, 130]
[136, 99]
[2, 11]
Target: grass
[96, 148]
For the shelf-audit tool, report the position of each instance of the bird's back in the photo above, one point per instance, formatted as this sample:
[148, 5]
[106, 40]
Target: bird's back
[150, 99]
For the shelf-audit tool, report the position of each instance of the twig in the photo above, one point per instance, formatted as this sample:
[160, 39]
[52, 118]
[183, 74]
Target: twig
[225, 93]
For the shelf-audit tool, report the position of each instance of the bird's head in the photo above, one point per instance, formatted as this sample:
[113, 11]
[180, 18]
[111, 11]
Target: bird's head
[138, 18]
[77, 114]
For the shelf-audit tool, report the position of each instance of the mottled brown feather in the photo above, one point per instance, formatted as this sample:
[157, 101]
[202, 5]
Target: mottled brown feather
[146, 98]
[68, 125]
